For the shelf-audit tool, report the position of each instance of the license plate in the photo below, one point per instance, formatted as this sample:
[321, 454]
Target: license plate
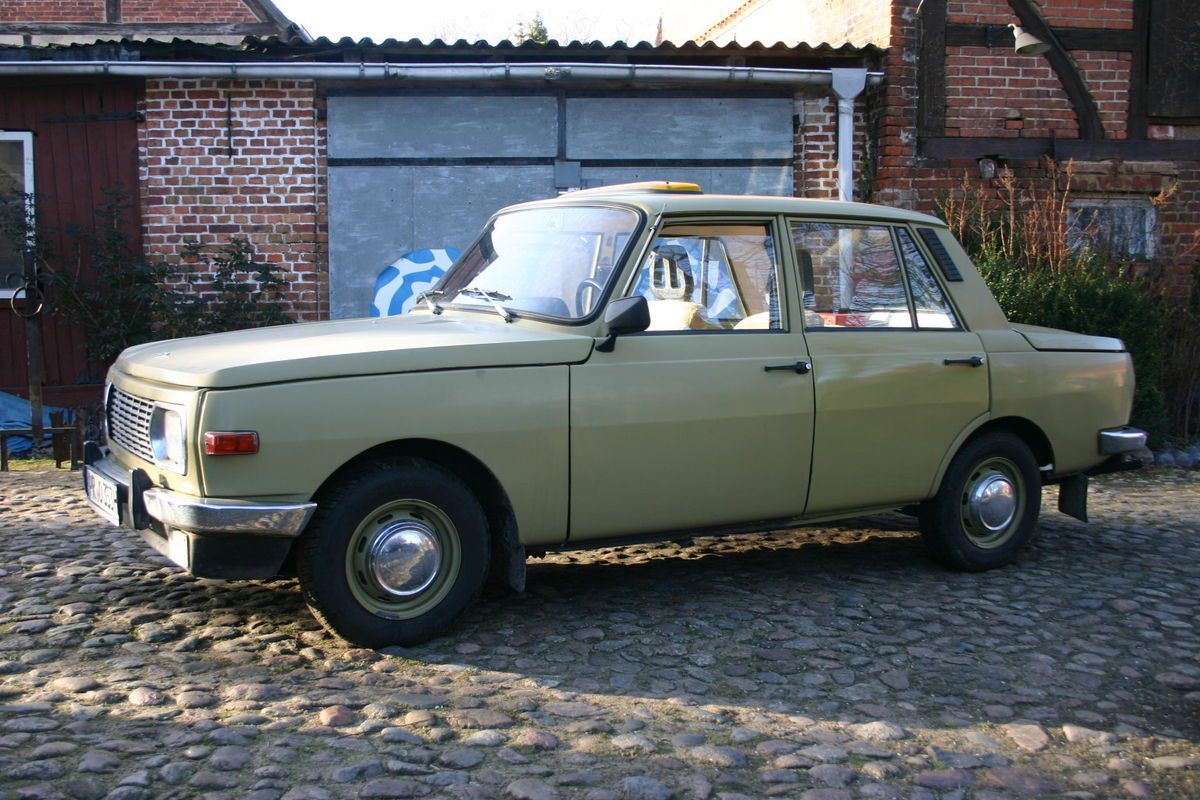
[104, 495]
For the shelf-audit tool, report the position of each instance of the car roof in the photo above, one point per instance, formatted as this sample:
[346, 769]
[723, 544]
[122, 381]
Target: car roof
[658, 201]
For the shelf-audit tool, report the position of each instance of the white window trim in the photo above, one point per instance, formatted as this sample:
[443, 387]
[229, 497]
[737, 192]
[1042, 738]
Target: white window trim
[27, 138]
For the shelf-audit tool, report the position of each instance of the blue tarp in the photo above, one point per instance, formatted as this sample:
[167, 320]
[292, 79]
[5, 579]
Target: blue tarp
[15, 413]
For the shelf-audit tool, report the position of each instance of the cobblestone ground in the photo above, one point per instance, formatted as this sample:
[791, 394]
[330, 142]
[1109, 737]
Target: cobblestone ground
[824, 664]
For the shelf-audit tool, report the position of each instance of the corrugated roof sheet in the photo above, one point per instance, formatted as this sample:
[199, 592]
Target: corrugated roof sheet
[323, 49]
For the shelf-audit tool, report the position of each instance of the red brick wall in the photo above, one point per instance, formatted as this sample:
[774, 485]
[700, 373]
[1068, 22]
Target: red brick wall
[859, 22]
[269, 190]
[52, 11]
[815, 173]
[1068, 13]
[214, 11]
[995, 93]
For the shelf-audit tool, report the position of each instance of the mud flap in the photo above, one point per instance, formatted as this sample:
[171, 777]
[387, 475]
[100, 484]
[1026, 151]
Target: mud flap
[1072, 496]
[508, 559]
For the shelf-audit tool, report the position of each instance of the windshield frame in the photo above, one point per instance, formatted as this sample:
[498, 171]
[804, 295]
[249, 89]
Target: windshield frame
[619, 267]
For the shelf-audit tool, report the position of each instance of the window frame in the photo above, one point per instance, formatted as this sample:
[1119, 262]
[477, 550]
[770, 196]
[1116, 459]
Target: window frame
[858, 223]
[26, 138]
[1076, 202]
[939, 280]
[892, 227]
[770, 222]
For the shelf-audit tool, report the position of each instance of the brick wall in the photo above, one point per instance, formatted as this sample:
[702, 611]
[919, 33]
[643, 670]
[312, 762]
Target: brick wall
[52, 11]
[1069, 13]
[991, 92]
[859, 22]
[212, 11]
[995, 93]
[815, 172]
[222, 159]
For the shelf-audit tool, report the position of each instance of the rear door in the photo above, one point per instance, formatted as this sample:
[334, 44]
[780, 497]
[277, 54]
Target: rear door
[897, 377]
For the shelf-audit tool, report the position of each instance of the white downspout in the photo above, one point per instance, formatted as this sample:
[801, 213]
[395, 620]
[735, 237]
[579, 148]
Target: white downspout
[848, 84]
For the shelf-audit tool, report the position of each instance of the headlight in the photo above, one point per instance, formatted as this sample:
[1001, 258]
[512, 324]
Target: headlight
[167, 438]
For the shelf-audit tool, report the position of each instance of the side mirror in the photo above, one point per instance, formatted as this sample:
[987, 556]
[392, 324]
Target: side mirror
[626, 315]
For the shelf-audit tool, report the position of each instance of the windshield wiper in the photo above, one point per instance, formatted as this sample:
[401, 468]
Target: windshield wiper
[430, 300]
[492, 297]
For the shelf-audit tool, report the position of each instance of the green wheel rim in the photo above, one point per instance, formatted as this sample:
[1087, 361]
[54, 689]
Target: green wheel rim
[418, 527]
[993, 503]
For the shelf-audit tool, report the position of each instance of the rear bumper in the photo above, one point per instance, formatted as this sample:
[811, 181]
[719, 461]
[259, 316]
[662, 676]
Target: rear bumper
[1125, 439]
[209, 537]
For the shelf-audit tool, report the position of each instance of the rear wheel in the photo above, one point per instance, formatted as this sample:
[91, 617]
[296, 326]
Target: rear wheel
[395, 552]
[987, 506]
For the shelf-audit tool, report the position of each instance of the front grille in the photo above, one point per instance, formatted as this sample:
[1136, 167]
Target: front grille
[129, 422]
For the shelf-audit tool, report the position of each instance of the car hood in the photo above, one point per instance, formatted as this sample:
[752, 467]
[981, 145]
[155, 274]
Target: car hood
[307, 351]
[1054, 339]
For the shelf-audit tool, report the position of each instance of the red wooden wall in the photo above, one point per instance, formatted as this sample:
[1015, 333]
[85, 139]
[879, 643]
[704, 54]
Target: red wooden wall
[85, 142]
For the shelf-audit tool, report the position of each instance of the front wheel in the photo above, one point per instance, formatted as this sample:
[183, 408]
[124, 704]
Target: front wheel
[987, 506]
[395, 552]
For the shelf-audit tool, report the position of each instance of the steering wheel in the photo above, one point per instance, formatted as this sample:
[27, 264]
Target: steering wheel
[580, 294]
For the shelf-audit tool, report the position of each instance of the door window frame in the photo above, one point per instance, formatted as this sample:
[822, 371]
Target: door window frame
[26, 138]
[774, 226]
[892, 228]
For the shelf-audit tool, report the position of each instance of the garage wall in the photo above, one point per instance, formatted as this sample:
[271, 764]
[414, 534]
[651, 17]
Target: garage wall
[420, 171]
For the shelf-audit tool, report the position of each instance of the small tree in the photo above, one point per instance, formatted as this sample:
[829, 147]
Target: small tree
[241, 292]
[532, 31]
[126, 299]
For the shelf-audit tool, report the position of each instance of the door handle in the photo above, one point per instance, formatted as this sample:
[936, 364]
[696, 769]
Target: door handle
[800, 368]
[973, 361]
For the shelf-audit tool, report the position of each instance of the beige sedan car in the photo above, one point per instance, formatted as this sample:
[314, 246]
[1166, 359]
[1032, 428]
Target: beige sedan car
[617, 364]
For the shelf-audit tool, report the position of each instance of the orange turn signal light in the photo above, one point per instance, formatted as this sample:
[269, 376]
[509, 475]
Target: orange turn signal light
[230, 443]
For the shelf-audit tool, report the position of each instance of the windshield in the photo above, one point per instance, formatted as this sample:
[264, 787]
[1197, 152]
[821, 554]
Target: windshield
[551, 261]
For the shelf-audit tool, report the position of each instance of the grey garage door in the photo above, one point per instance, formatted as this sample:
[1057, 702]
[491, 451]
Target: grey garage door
[410, 173]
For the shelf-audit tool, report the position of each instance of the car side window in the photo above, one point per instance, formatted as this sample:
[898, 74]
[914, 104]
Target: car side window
[933, 310]
[852, 274]
[712, 277]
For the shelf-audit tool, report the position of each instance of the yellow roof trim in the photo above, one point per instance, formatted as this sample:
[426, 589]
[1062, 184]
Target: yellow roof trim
[658, 187]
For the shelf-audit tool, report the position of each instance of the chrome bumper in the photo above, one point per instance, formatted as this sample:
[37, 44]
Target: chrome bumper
[1126, 439]
[209, 515]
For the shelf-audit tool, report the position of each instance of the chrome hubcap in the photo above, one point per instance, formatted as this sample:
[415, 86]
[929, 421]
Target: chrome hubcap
[992, 503]
[404, 558]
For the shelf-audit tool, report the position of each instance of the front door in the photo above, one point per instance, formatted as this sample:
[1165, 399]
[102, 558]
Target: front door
[684, 426]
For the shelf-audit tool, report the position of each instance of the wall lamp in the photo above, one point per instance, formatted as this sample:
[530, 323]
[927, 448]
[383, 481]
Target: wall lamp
[1026, 44]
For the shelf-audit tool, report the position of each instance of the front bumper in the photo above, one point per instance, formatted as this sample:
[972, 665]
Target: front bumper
[209, 537]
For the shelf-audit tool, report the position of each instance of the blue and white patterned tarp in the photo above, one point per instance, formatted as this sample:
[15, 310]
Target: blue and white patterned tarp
[15, 413]
[398, 285]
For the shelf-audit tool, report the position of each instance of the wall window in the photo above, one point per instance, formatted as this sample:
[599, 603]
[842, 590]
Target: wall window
[1125, 227]
[712, 277]
[16, 184]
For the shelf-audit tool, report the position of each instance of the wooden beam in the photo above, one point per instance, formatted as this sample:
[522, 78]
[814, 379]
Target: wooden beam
[1086, 112]
[961, 148]
[1000, 36]
[931, 70]
[1135, 124]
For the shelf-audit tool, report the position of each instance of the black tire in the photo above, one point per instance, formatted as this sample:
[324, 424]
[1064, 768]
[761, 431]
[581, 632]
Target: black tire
[416, 506]
[965, 525]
